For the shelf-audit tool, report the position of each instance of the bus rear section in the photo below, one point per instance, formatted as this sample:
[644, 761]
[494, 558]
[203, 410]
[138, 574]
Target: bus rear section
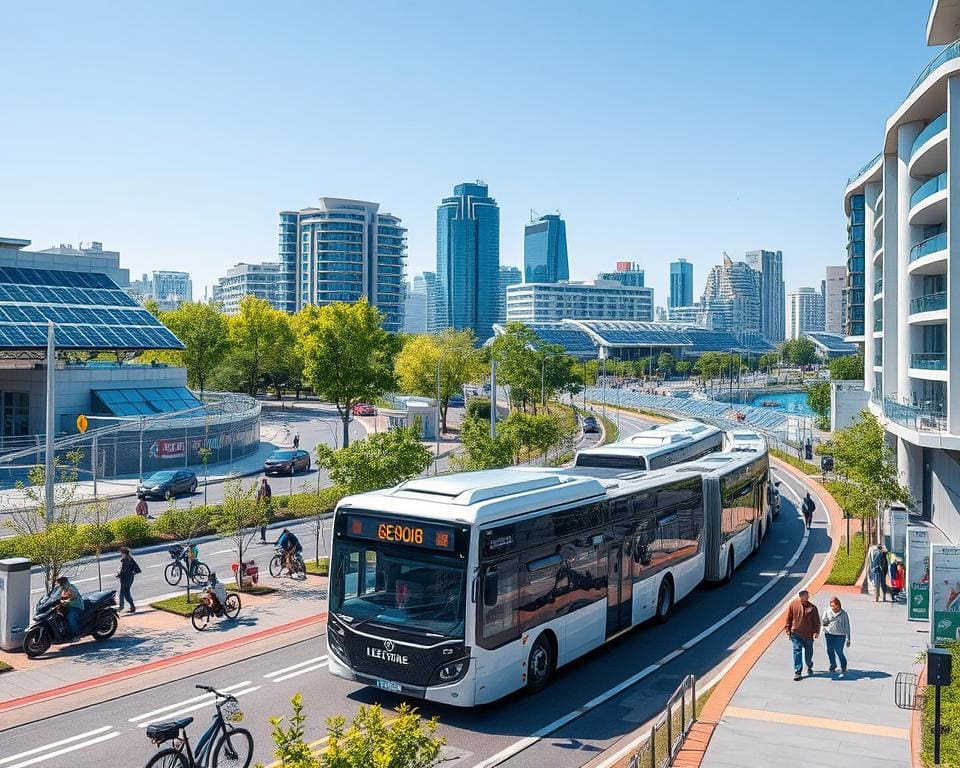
[656, 448]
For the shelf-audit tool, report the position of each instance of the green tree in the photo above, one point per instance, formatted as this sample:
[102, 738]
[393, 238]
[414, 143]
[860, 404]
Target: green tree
[378, 461]
[818, 398]
[203, 331]
[260, 339]
[846, 368]
[480, 451]
[238, 518]
[768, 361]
[531, 434]
[459, 362]
[799, 352]
[683, 367]
[518, 366]
[347, 356]
[96, 532]
[862, 457]
[666, 363]
[184, 524]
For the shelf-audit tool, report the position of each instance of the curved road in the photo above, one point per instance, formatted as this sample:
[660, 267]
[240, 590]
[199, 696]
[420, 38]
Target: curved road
[588, 707]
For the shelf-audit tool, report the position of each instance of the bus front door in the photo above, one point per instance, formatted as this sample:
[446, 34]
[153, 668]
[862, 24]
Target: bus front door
[619, 589]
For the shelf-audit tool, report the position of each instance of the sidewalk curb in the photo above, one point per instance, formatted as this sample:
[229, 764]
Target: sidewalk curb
[95, 682]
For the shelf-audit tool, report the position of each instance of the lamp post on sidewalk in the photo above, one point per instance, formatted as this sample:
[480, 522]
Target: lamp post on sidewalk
[51, 425]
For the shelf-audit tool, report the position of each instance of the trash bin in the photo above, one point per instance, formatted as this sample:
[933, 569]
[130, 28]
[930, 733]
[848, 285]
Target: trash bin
[250, 574]
[14, 602]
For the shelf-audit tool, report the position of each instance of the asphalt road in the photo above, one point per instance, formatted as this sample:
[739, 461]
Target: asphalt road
[588, 706]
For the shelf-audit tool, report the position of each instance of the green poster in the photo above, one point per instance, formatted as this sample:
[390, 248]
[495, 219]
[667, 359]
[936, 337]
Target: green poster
[945, 593]
[918, 573]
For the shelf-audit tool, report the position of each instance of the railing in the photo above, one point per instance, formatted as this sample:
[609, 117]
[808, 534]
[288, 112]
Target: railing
[878, 244]
[670, 729]
[929, 303]
[878, 211]
[878, 324]
[877, 286]
[935, 126]
[865, 168]
[928, 246]
[928, 417]
[929, 187]
[929, 361]
[950, 52]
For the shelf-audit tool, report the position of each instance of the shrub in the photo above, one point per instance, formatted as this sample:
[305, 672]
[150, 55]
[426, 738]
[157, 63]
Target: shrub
[131, 530]
[846, 568]
[281, 502]
[479, 408]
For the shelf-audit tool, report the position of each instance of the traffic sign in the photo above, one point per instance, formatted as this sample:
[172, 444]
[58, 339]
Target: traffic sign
[82, 423]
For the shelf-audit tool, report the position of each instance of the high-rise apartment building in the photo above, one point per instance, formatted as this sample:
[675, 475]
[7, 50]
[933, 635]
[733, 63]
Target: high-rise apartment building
[545, 249]
[600, 300]
[804, 312]
[168, 288]
[732, 297]
[468, 260]
[903, 207]
[835, 300]
[507, 276]
[681, 284]
[627, 273]
[344, 249]
[769, 265]
[265, 281]
[420, 304]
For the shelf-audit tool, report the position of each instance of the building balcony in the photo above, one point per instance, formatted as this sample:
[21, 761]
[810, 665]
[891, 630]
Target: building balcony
[875, 159]
[878, 325]
[929, 361]
[927, 255]
[922, 418]
[929, 153]
[878, 211]
[878, 286]
[931, 304]
[928, 203]
[952, 51]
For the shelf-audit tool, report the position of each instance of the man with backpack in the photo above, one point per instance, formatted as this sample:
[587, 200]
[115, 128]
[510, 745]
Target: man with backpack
[128, 571]
[808, 508]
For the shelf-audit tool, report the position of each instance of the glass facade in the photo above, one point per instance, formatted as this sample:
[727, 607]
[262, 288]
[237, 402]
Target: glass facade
[288, 260]
[545, 250]
[855, 267]
[468, 260]
[769, 266]
[681, 284]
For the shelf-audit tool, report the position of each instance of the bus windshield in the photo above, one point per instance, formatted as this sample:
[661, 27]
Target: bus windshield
[610, 461]
[414, 590]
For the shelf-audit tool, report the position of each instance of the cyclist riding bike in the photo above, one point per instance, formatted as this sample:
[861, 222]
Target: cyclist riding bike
[291, 546]
[215, 594]
[192, 554]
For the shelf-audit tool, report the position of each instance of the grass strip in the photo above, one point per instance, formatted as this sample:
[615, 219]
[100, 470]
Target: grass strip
[846, 568]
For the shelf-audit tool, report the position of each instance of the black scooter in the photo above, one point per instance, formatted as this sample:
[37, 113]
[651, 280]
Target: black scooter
[99, 618]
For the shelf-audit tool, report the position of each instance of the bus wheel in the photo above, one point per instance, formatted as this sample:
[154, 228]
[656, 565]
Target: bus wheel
[731, 565]
[539, 664]
[664, 601]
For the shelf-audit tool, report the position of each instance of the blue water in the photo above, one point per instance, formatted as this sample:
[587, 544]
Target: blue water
[790, 402]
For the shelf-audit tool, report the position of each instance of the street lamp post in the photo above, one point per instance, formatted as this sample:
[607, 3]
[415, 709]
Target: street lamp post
[51, 425]
[602, 354]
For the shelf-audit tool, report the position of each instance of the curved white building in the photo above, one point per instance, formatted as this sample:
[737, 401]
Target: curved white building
[901, 253]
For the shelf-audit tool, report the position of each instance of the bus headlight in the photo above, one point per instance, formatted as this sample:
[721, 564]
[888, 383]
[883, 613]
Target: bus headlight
[452, 672]
[335, 642]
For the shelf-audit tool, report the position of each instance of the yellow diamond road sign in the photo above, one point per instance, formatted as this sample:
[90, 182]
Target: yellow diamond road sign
[81, 423]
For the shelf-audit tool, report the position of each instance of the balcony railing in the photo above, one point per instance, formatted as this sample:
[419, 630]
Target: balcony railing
[877, 285]
[928, 246]
[878, 211]
[929, 361]
[936, 125]
[929, 303]
[878, 244]
[878, 324]
[865, 168]
[950, 52]
[929, 187]
[928, 417]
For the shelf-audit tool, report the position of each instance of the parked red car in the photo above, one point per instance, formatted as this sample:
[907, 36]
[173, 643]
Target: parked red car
[364, 409]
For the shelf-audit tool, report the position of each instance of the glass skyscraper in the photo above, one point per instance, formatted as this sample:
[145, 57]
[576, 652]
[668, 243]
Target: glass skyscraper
[769, 264]
[545, 250]
[468, 260]
[681, 284]
[855, 269]
[344, 249]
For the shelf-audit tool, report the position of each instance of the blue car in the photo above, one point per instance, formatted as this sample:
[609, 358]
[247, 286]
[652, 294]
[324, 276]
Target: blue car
[456, 401]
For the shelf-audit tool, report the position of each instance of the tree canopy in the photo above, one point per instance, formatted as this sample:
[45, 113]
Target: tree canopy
[847, 368]
[260, 340]
[863, 458]
[527, 365]
[203, 330]
[799, 352]
[378, 461]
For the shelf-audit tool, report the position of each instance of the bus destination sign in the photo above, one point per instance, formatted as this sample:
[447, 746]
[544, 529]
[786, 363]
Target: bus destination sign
[409, 533]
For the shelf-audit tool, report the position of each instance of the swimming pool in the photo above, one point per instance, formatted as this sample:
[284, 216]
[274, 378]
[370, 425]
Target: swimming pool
[791, 402]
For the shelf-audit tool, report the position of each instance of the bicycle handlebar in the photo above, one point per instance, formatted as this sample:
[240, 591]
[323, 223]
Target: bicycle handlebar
[215, 692]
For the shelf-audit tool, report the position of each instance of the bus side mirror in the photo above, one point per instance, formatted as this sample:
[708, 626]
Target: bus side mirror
[491, 586]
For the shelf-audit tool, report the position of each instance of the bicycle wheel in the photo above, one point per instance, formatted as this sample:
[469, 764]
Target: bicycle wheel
[276, 565]
[232, 607]
[200, 617]
[172, 573]
[201, 574]
[298, 565]
[234, 749]
[168, 758]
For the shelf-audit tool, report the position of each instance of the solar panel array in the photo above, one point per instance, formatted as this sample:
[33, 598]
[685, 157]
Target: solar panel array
[89, 311]
[635, 333]
[574, 341]
[144, 402]
[833, 342]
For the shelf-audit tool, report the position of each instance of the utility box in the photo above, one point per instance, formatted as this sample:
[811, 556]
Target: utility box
[14, 602]
[939, 666]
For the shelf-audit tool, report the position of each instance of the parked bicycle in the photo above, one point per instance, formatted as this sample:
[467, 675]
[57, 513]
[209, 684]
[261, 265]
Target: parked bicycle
[176, 570]
[277, 564]
[222, 745]
[203, 613]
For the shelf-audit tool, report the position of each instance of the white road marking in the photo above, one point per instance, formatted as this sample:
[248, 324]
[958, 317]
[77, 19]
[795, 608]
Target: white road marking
[219, 552]
[63, 750]
[186, 701]
[321, 665]
[55, 744]
[519, 746]
[296, 666]
[178, 713]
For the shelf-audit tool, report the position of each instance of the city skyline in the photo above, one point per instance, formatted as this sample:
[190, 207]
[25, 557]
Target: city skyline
[187, 130]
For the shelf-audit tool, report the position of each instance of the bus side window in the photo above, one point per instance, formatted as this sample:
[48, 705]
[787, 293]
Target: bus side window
[498, 622]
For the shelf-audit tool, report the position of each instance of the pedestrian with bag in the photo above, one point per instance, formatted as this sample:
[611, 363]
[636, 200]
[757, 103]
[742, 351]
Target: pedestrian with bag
[808, 508]
[896, 580]
[879, 566]
[802, 626]
[836, 633]
[264, 496]
[128, 571]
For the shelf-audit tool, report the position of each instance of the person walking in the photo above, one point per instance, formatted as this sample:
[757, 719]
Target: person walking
[802, 626]
[128, 571]
[879, 566]
[896, 580]
[142, 509]
[807, 507]
[296, 440]
[264, 495]
[836, 633]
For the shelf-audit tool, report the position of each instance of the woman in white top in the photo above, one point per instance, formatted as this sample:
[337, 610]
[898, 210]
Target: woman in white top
[836, 632]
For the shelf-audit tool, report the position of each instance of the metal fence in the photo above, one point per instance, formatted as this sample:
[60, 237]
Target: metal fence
[669, 730]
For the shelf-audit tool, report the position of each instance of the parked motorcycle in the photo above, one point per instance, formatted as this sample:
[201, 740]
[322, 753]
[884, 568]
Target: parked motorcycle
[99, 619]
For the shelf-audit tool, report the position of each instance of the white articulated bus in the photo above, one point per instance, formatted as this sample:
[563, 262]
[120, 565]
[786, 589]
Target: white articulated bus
[464, 588]
[655, 448]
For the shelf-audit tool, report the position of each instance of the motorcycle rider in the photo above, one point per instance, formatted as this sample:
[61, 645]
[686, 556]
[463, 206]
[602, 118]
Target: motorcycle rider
[290, 545]
[71, 603]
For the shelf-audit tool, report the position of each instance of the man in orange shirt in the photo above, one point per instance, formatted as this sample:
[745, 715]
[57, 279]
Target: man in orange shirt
[802, 627]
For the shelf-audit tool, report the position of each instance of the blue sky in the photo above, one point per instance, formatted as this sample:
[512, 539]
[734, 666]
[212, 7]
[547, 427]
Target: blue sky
[175, 132]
